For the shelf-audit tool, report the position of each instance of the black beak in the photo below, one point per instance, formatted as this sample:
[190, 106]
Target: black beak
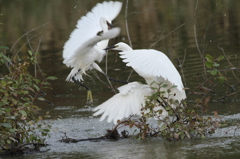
[110, 26]
[110, 47]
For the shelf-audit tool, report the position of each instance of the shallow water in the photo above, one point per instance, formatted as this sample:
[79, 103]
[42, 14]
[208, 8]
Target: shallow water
[219, 145]
[217, 26]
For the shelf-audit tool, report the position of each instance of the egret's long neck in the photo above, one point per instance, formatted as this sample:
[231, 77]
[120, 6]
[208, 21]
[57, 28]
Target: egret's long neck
[102, 44]
[103, 24]
[126, 48]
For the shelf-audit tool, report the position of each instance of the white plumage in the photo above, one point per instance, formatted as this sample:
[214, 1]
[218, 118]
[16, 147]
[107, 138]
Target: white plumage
[84, 46]
[129, 101]
[156, 68]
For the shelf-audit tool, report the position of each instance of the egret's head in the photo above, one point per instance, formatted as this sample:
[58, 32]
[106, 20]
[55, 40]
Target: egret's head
[110, 26]
[105, 24]
[121, 46]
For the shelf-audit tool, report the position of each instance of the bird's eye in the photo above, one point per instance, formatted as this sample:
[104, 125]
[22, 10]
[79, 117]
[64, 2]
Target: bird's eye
[109, 25]
[99, 33]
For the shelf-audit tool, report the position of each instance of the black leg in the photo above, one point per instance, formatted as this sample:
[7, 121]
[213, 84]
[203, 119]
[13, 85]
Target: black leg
[78, 82]
[115, 80]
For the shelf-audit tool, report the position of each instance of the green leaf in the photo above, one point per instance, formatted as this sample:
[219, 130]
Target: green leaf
[11, 117]
[187, 134]
[174, 86]
[23, 112]
[24, 92]
[3, 83]
[221, 79]
[4, 47]
[6, 125]
[14, 140]
[170, 112]
[30, 53]
[215, 64]
[209, 64]
[46, 130]
[163, 127]
[209, 58]
[220, 58]
[41, 99]
[37, 88]
[9, 141]
[214, 72]
[13, 130]
[52, 78]
[168, 108]
[31, 122]
[165, 85]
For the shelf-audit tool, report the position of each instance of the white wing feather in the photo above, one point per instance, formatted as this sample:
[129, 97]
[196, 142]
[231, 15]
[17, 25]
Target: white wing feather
[88, 26]
[84, 56]
[152, 63]
[128, 101]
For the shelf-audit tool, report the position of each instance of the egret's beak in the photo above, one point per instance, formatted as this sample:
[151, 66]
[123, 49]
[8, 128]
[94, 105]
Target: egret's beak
[110, 47]
[110, 26]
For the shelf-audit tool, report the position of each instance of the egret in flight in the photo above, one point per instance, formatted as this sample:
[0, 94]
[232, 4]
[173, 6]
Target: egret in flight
[156, 68]
[87, 42]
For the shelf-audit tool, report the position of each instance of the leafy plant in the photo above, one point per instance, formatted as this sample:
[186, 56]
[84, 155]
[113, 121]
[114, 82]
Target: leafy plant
[20, 123]
[212, 65]
[183, 120]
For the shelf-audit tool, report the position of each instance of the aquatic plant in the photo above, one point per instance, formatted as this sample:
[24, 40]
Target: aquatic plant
[20, 122]
[212, 67]
[184, 120]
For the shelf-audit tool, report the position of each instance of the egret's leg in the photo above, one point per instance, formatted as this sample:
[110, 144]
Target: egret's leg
[95, 66]
[78, 82]
[115, 80]
[89, 92]
[89, 97]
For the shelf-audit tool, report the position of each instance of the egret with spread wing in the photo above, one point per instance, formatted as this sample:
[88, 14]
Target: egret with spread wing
[86, 43]
[129, 101]
[156, 68]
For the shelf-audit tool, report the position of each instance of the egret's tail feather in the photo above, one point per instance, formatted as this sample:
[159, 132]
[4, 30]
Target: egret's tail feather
[69, 62]
[76, 74]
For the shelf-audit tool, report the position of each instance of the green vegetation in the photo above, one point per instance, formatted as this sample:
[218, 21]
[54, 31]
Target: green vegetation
[184, 121]
[187, 120]
[20, 123]
[212, 65]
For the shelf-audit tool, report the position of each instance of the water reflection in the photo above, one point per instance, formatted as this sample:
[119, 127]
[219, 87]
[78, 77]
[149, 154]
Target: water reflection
[217, 24]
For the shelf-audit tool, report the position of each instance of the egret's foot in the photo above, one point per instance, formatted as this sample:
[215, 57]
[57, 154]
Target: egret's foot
[89, 97]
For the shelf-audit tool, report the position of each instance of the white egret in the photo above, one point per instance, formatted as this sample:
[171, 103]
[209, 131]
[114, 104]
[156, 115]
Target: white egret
[85, 45]
[156, 68]
[129, 101]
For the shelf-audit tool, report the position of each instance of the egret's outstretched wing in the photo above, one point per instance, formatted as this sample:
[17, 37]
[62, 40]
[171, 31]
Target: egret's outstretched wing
[82, 55]
[128, 101]
[109, 10]
[88, 26]
[153, 63]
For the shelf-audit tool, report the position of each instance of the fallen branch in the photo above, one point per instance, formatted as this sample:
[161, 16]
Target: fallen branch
[112, 135]
[223, 97]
